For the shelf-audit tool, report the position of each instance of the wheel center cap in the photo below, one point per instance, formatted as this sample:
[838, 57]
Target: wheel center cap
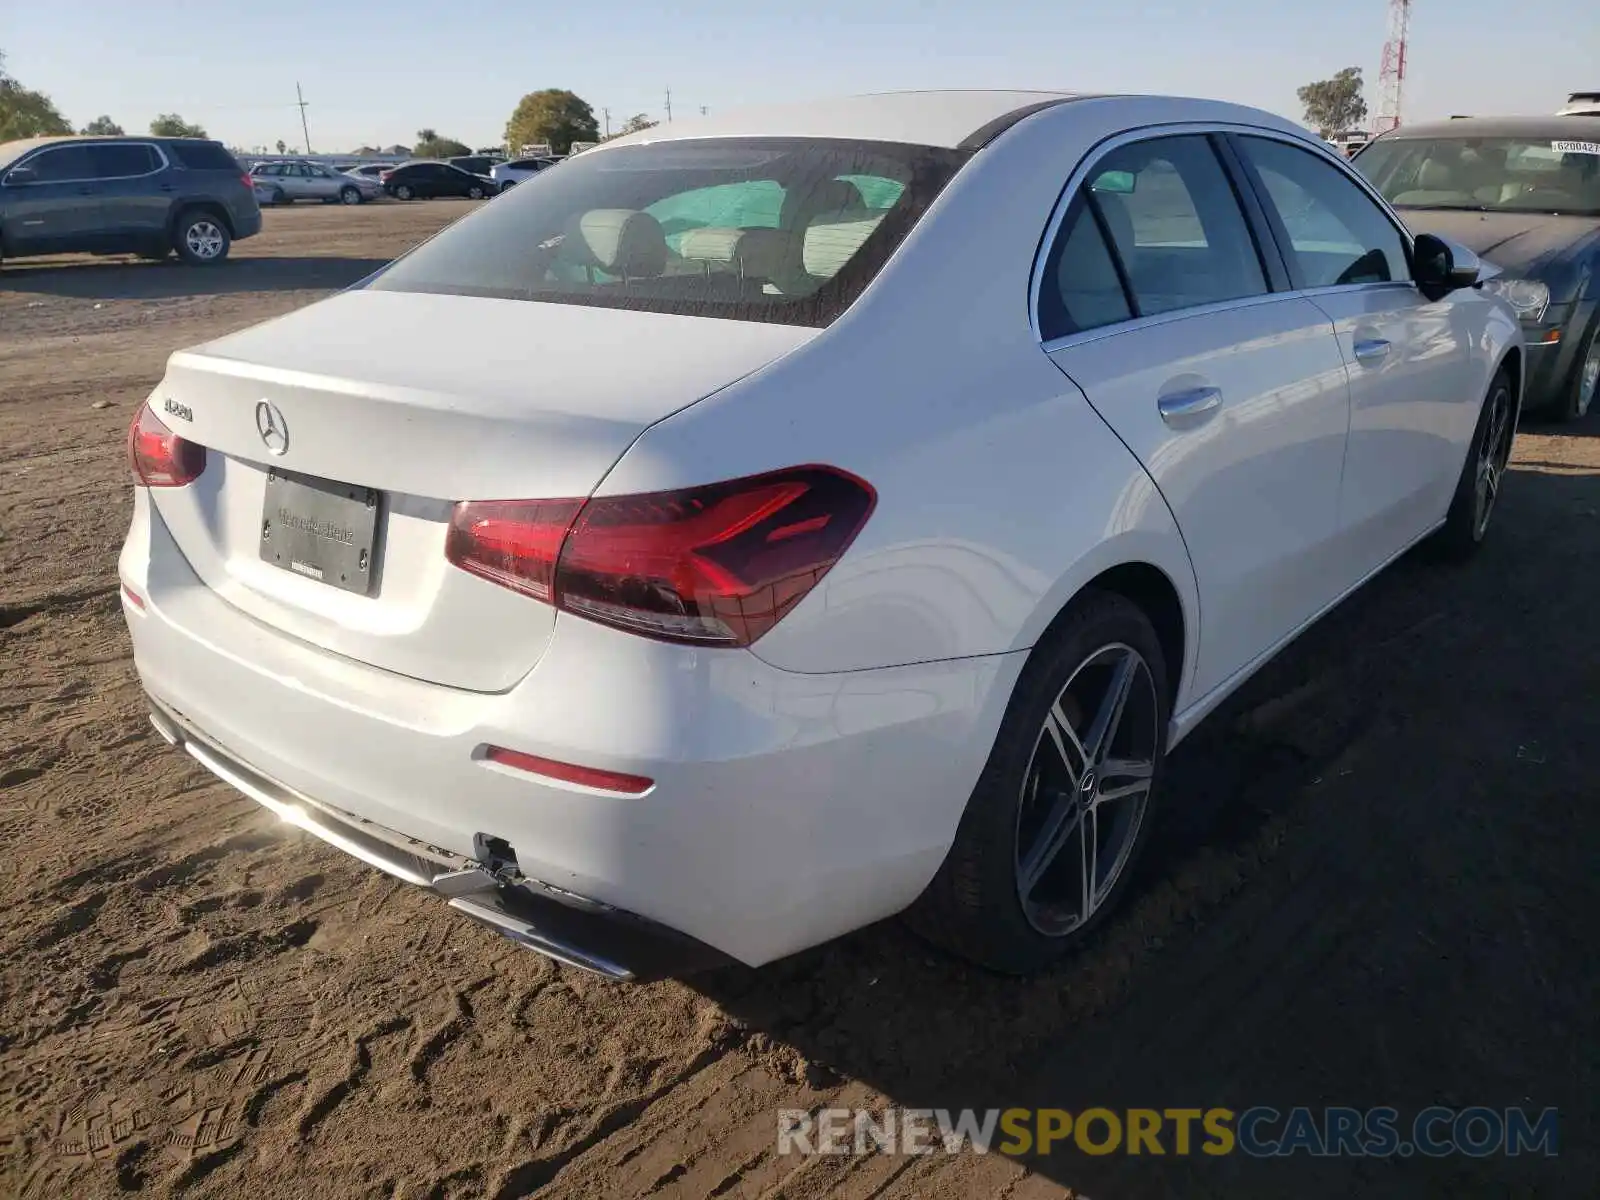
[1088, 783]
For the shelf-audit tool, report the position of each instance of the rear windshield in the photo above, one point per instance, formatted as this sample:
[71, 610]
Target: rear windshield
[203, 156]
[751, 229]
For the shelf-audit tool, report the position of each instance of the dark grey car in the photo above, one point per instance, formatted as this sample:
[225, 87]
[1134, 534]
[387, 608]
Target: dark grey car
[123, 195]
[1523, 193]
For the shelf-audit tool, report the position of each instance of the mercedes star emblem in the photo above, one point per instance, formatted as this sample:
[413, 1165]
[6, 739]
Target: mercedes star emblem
[274, 430]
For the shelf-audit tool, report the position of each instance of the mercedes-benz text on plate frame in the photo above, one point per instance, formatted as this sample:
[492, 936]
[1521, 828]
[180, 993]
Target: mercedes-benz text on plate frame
[742, 625]
[274, 430]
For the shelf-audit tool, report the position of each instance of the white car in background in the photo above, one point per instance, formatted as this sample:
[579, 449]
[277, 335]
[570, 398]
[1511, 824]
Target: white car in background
[896, 480]
[507, 174]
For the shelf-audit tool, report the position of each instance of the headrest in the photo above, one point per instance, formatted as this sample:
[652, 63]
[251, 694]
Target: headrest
[754, 253]
[830, 244]
[618, 241]
[826, 198]
[1434, 176]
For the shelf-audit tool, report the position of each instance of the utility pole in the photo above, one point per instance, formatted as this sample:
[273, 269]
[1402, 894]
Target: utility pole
[607, 113]
[669, 106]
[1392, 75]
[304, 127]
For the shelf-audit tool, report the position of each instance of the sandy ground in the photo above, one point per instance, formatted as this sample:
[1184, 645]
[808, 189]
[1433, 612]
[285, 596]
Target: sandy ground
[1374, 892]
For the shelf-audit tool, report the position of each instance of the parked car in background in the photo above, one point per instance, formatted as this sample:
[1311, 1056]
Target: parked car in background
[508, 174]
[286, 182]
[429, 180]
[123, 195]
[1582, 104]
[849, 551]
[1524, 192]
[477, 164]
[370, 170]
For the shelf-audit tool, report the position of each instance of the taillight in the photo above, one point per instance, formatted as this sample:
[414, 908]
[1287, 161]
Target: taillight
[249, 181]
[716, 565]
[383, 176]
[159, 457]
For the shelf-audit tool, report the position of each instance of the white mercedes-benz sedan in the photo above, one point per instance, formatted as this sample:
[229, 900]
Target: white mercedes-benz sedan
[767, 524]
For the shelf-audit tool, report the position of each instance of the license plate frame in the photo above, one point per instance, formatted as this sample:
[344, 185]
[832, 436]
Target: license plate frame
[321, 529]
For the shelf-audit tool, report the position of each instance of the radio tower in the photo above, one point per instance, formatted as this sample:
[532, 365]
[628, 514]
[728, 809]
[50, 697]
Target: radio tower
[1392, 75]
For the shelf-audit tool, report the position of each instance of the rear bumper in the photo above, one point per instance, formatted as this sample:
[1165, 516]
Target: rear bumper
[570, 929]
[246, 221]
[787, 808]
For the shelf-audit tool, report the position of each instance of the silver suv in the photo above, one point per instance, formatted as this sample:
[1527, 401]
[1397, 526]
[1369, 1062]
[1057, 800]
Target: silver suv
[123, 195]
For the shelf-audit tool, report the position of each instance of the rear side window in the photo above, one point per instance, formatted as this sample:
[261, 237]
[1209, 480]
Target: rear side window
[1081, 289]
[787, 230]
[117, 161]
[203, 156]
[1176, 225]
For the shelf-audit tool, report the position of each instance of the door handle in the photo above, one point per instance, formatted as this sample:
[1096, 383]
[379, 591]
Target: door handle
[1192, 402]
[1371, 350]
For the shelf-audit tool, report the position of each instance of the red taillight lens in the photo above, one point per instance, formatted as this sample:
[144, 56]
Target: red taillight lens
[717, 565]
[383, 176]
[594, 777]
[249, 180]
[159, 457]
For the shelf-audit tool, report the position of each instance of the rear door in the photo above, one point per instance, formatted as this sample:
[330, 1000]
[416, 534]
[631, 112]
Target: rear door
[1413, 403]
[1156, 299]
[134, 202]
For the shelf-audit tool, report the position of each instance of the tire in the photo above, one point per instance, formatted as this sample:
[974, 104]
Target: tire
[1584, 394]
[278, 199]
[349, 195]
[980, 904]
[403, 192]
[1478, 488]
[474, 192]
[201, 238]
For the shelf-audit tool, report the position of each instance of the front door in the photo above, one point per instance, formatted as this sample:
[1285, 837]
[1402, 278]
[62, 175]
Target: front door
[1413, 404]
[53, 202]
[1155, 302]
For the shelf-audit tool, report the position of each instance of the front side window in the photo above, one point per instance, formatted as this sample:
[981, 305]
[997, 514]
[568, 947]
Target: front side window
[61, 165]
[1554, 174]
[788, 230]
[1337, 235]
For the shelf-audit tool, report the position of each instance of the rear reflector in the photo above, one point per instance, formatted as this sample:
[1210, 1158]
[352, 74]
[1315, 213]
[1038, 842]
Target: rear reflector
[609, 781]
[160, 458]
[714, 565]
[132, 597]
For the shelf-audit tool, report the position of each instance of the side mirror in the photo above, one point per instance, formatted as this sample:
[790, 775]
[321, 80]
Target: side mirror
[21, 175]
[1442, 266]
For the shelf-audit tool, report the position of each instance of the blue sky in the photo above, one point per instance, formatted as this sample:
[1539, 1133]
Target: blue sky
[376, 72]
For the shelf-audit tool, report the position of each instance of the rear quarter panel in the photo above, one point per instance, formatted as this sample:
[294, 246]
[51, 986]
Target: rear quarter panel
[1001, 493]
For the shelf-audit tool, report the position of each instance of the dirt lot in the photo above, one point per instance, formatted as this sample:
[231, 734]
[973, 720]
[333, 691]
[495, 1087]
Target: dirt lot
[1373, 892]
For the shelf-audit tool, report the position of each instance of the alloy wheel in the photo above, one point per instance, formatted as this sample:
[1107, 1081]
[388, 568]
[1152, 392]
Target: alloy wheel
[204, 239]
[1589, 377]
[350, 196]
[1493, 455]
[1086, 790]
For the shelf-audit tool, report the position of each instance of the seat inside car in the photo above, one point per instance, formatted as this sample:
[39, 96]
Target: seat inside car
[621, 242]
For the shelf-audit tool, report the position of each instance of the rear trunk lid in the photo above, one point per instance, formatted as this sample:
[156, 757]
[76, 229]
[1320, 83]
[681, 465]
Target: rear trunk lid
[347, 430]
